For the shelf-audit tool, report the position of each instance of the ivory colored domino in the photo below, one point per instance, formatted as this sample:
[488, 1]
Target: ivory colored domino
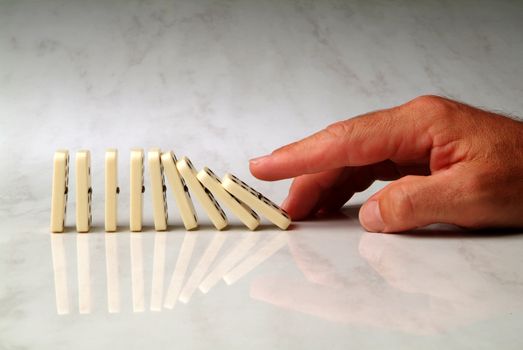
[111, 190]
[180, 191]
[204, 196]
[256, 200]
[242, 211]
[136, 190]
[60, 190]
[157, 189]
[83, 191]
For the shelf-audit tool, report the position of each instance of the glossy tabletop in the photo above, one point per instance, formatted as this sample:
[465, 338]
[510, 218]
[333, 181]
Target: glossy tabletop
[325, 283]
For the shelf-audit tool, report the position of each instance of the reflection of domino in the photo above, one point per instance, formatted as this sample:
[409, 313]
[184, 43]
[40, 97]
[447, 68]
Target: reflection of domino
[268, 249]
[180, 191]
[83, 191]
[242, 211]
[111, 189]
[157, 190]
[60, 189]
[136, 190]
[204, 196]
[256, 201]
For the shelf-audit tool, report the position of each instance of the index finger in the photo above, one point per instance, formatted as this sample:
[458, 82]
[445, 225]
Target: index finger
[400, 133]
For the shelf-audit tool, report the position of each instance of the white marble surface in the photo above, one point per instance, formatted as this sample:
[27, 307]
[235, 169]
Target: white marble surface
[223, 81]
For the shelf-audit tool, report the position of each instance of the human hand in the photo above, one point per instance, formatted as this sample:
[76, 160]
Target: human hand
[450, 162]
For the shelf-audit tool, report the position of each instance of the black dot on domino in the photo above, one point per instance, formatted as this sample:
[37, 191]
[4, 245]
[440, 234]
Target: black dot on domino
[143, 189]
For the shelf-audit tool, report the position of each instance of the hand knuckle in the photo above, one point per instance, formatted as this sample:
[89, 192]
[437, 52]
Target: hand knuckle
[434, 105]
[339, 129]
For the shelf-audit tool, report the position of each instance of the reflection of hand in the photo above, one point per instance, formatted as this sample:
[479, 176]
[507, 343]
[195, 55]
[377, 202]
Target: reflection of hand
[409, 293]
[351, 294]
[472, 275]
[465, 167]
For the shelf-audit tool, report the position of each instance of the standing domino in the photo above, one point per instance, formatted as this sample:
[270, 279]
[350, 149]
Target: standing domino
[59, 191]
[180, 190]
[83, 191]
[242, 211]
[256, 200]
[204, 196]
[157, 189]
[111, 190]
[136, 190]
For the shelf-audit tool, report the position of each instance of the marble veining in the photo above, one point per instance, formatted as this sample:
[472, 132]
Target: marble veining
[220, 82]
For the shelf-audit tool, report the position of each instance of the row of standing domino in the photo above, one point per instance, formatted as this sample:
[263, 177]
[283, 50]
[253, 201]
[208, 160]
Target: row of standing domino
[242, 200]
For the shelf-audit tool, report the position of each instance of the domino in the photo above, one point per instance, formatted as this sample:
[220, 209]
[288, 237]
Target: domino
[204, 196]
[136, 190]
[256, 200]
[60, 190]
[83, 191]
[158, 190]
[180, 191]
[111, 189]
[242, 211]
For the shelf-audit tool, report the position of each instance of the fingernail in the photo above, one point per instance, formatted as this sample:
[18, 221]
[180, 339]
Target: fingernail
[370, 217]
[284, 204]
[258, 160]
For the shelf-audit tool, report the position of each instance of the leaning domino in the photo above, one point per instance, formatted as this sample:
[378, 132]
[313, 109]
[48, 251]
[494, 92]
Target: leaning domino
[60, 190]
[256, 201]
[242, 211]
[204, 196]
[157, 190]
[83, 191]
[111, 190]
[136, 190]
[180, 191]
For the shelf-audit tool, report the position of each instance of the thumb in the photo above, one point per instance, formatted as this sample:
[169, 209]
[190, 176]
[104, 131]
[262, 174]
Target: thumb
[411, 202]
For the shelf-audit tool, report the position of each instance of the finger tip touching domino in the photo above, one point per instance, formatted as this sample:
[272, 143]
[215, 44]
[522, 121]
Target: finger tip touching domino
[183, 179]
